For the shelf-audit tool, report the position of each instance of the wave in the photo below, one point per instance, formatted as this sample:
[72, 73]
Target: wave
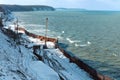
[59, 37]
[35, 25]
[114, 54]
[72, 41]
[83, 45]
[63, 32]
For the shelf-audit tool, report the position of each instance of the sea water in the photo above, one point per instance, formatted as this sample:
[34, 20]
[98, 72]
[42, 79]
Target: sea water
[93, 36]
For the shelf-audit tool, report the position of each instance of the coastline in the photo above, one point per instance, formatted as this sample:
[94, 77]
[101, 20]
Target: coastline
[73, 59]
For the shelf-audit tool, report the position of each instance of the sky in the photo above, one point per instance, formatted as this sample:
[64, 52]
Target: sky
[84, 4]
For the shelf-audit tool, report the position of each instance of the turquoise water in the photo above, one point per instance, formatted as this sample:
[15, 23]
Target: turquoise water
[94, 36]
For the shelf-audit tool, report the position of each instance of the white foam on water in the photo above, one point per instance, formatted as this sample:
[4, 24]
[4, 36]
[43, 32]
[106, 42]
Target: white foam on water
[83, 45]
[35, 25]
[80, 45]
[63, 32]
[59, 37]
[39, 30]
[72, 41]
[114, 54]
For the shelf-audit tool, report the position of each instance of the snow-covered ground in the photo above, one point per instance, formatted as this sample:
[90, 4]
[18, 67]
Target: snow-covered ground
[16, 63]
[19, 63]
[69, 71]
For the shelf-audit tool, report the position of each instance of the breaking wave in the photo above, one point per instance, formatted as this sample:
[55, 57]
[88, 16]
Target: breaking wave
[83, 45]
[72, 41]
[78, 43]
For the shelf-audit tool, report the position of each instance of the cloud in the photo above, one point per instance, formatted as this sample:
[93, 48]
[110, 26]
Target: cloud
[109, 1]
[112, 4]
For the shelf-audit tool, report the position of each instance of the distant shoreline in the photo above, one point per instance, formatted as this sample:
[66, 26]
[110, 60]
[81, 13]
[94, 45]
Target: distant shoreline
[80, 9]
[18, 8]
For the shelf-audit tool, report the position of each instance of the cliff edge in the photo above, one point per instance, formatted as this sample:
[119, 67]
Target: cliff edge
[26, 7]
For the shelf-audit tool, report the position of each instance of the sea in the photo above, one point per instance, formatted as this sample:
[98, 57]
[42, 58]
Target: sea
[93, 36]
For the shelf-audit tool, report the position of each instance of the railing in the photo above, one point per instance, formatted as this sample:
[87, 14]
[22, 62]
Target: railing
[94, 74]
[42, 38]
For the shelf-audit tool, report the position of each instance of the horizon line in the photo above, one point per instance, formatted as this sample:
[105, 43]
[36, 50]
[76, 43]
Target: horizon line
[64, 7]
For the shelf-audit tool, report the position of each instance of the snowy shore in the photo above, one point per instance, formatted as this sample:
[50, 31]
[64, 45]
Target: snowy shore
[18, 62]
[21, 53]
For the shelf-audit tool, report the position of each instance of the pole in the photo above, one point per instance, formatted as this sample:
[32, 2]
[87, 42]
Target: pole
[18, 41]
[46, 30]
[17, 25]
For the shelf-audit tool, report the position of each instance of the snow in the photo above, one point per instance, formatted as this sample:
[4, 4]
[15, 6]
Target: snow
[7, 57]
[61, 64]
[19, 63]
[36, 41]
[44, 72]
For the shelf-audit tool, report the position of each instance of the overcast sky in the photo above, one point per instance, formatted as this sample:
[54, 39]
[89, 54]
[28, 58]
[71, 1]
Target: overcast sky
[86, 4]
